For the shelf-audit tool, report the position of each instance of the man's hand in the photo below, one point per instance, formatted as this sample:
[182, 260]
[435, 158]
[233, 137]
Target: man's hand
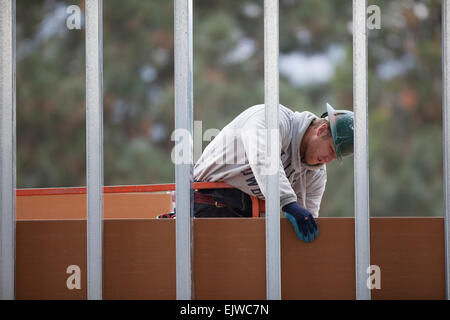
[303, 221]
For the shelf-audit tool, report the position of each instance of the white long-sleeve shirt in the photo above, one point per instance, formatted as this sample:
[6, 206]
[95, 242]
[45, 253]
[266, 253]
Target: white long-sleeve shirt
[226, 158]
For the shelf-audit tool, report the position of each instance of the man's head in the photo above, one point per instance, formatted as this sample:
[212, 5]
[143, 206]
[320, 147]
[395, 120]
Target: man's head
[329, 137]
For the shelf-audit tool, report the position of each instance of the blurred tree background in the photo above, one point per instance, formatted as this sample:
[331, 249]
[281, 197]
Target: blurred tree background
[405, 108]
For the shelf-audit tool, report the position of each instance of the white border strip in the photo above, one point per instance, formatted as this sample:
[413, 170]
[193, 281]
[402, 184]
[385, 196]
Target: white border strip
[183, 122]
[361, 157]
[271, 96]
[7, 146]
[94, 141]
[446, 129]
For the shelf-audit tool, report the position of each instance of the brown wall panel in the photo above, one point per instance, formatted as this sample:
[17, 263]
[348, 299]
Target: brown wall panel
[323, 269]
[136, 205]
[411, 257]
[229, 259]
[139, 259]
[73, 206]
[53, 207]
[44, 250]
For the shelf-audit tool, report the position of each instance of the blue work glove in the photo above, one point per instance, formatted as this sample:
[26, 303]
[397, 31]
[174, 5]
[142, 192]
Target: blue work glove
[303, 221]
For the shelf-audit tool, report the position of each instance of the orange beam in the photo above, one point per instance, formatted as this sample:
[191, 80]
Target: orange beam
[46, 206]
[117, 189]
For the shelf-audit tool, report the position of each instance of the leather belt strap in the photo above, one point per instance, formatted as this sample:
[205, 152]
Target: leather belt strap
[207, 199]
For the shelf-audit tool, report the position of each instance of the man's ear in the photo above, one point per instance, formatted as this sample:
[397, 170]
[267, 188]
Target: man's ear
[322, 129]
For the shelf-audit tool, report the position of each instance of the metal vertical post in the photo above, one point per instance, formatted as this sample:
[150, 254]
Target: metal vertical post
[184, 147]
[7, 147]
[446, 129]
[271, 97]
[361, 157]
[94, 141]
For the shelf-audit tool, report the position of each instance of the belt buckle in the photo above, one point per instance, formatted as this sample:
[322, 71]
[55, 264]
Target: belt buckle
[218, 204]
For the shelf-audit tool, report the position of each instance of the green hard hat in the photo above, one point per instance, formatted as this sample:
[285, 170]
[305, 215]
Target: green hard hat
[341, 126]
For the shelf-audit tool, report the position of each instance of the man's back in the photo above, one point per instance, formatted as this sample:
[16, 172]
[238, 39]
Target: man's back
[226, 158]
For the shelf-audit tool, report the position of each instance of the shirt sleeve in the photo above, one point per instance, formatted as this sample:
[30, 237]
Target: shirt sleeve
[315, 187]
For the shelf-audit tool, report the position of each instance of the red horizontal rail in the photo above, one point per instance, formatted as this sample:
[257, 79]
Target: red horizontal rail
[117, 189]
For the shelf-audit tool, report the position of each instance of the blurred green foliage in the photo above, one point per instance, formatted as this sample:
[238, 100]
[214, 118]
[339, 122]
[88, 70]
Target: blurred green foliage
[405, 117]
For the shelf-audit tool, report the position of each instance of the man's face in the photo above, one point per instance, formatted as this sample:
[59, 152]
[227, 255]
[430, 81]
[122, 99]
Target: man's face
[321, 147]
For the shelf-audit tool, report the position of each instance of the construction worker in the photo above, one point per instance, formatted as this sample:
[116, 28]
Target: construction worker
[307, 144]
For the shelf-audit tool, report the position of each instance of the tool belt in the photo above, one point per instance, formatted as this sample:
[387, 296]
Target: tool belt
[207, 199]
[232, 199]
